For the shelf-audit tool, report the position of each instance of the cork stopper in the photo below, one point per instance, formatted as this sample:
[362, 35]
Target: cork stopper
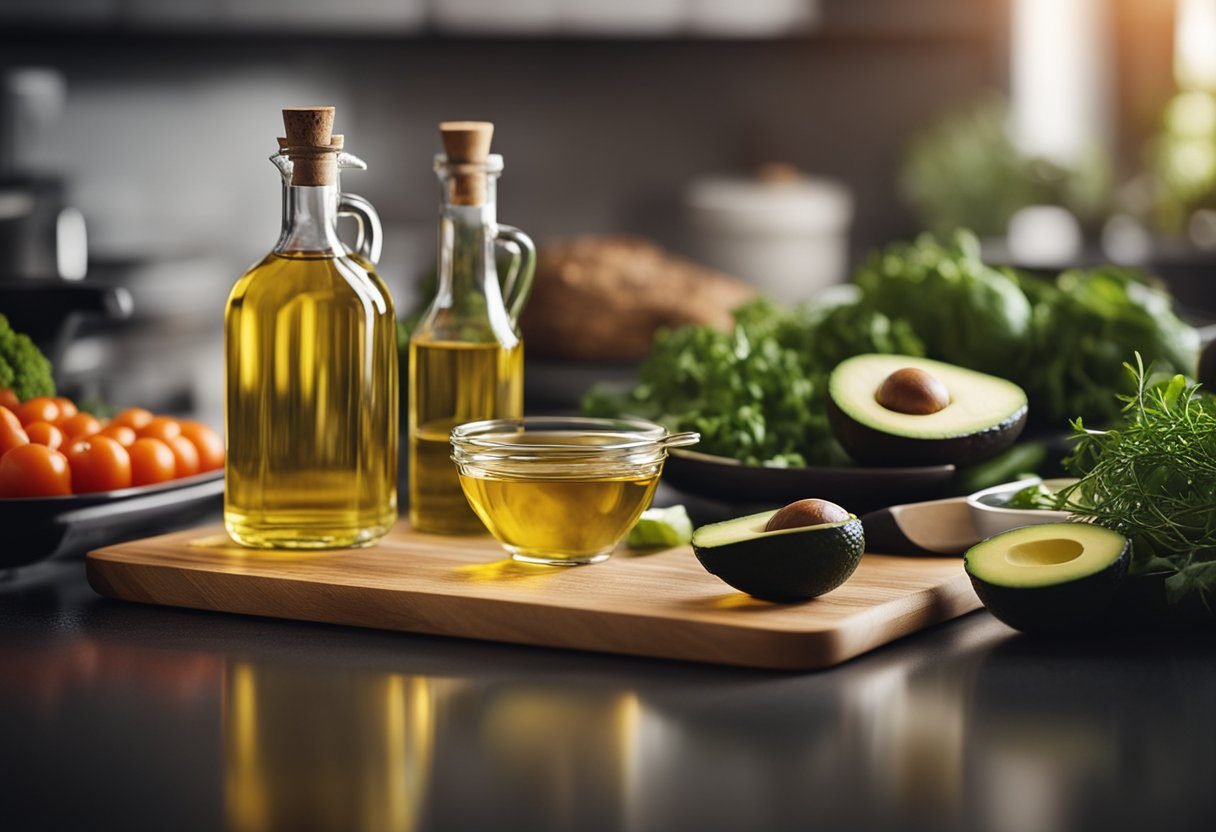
[309, 144]
[466, 145]
[336, 142]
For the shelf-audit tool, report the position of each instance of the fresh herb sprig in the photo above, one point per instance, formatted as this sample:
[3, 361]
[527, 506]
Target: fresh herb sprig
[1153, 478]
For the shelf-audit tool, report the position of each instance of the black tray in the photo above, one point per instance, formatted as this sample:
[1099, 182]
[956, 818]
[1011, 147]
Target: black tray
[38, 528]
[857, 489]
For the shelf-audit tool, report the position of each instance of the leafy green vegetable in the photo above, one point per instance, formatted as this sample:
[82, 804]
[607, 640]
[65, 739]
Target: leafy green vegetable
[1037, 496]
[967, 313]
[757, 393]
[23, 368]
[1086, 324]
[661, 527]
[1153, 478]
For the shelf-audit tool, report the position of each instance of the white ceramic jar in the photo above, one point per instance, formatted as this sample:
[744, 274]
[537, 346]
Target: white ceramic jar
[785, 233]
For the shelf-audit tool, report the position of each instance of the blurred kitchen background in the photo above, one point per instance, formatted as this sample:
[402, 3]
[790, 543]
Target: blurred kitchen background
[775, 140]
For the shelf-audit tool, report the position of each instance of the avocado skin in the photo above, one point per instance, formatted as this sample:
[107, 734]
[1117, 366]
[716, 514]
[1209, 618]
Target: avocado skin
[870, 446]
[788, 567]
[1207, 368]
[1072, 606]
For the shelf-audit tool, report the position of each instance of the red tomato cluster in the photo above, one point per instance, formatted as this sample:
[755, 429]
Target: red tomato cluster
[49, 448]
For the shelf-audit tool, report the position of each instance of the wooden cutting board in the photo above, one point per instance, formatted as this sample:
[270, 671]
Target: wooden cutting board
[663, 604]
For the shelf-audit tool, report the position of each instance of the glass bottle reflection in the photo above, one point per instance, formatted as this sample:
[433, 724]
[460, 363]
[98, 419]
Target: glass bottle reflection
[335, 751]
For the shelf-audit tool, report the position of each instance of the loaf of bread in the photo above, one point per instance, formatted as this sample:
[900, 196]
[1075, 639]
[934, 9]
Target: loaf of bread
[602, 298]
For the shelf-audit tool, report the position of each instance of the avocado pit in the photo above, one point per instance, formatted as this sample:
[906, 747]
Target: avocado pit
[802, 513]
[913, 391]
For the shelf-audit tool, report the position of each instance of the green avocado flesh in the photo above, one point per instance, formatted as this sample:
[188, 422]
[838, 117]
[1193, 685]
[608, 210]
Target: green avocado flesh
[984, 416]
[1051, 577]
[784, 565]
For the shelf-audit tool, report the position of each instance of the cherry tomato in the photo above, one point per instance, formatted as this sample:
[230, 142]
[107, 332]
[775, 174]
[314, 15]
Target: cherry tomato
[34, 471]
[162, 428]
[80, 426]
[208, 443]
[98, 463]
[12, 435]
[185, 457]
[44, 433]
[9, 399]
[133, 417]
[39, 409]
[122, 434]
[67, 407]
[151, 461]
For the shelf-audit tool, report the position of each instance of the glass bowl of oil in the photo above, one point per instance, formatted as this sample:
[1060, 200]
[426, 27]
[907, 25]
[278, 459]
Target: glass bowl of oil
[561, 491]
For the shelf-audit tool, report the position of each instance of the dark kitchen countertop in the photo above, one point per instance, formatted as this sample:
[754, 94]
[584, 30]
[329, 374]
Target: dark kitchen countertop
[120, 716]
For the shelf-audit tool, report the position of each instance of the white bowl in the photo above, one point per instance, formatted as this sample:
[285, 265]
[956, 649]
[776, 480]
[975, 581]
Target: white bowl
[991, 519]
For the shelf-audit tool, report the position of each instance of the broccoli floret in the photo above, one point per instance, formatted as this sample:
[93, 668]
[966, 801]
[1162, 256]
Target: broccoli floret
[23, 368]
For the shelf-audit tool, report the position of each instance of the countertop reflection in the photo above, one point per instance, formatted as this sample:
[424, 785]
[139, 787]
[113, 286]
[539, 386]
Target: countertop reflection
[122, 716]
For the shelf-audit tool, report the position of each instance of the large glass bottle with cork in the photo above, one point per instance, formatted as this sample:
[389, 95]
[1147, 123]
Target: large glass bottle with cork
[466, 354]
[311, 351]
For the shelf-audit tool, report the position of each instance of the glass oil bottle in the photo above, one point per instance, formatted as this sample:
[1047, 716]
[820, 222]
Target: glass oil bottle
[466, 355]
[311, 361]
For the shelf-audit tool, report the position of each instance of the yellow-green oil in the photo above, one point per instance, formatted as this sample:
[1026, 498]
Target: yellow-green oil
[452, 383]
[312, 419]
[553, 519]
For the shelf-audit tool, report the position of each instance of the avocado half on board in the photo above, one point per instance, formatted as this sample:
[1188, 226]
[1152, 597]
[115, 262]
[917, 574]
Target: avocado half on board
[1056, 577]
[902, 410]
[784, 564]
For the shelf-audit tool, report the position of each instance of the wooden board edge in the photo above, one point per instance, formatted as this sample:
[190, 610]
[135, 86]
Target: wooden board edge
[948, 600]
[621, 634]
[694, 642]
[115, 550]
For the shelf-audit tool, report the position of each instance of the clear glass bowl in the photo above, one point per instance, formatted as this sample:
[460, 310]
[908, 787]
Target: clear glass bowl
[561, 491]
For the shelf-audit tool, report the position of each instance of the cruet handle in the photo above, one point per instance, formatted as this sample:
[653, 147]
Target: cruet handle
[517, 286]
[369, 238]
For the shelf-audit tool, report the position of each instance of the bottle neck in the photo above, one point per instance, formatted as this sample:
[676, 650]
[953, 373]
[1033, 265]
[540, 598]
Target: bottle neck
[310, 220]
[466, 244]
[469, 304]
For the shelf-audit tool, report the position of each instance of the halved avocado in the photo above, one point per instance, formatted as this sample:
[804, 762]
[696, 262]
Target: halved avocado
[1051, 578]
[782, 565]
[901, 410]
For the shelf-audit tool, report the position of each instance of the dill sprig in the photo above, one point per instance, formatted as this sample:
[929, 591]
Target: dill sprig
[1153, 478]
